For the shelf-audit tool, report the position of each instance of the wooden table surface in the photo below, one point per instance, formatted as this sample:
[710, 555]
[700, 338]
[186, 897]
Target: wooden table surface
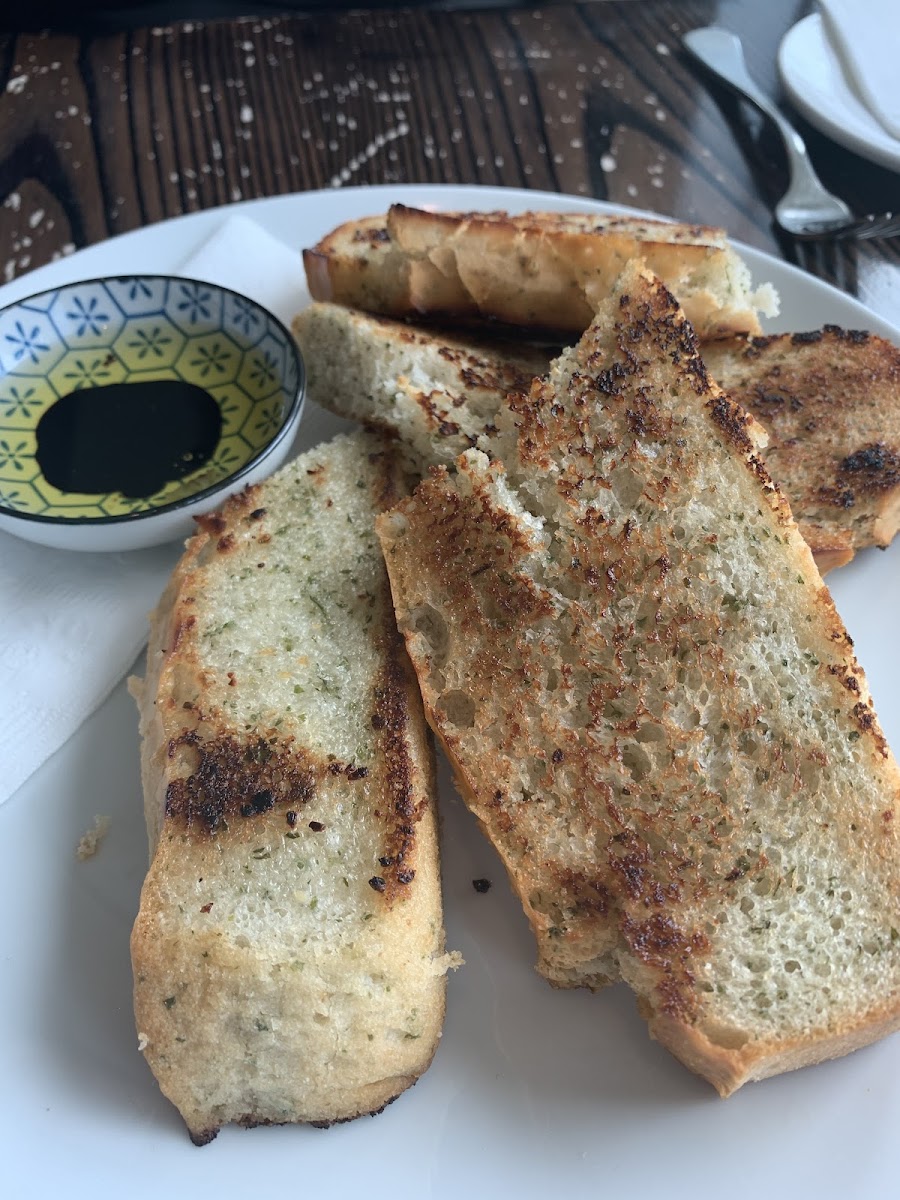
[103, 133]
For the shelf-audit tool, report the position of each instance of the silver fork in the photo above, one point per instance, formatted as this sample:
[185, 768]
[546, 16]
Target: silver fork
[807, 210]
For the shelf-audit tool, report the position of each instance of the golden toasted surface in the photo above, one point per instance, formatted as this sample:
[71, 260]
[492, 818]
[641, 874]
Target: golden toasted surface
[288, 952]
[653, 708]
[830, 401]
[438, 392]
[539, 271]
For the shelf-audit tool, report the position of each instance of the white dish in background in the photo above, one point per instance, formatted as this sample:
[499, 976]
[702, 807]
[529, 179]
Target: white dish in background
[817, 84]
[533, 1092]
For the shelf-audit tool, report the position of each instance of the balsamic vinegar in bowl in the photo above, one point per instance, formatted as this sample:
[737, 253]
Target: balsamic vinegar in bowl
[129, 405]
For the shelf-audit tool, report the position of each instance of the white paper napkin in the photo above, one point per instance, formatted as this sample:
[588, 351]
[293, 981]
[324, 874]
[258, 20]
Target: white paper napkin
[866, 37]
[71, 625]
[242, 256]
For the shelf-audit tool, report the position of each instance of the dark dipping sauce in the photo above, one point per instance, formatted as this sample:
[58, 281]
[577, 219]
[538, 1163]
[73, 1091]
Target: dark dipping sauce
[127, 437]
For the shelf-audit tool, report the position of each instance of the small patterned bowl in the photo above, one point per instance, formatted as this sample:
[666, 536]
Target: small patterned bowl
[62, 352]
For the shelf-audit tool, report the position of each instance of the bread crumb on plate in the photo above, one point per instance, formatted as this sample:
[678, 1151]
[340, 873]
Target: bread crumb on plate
[91, 841]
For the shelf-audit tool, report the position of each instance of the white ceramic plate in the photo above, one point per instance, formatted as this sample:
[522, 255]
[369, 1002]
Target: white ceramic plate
[814, 78]
[533, 1092]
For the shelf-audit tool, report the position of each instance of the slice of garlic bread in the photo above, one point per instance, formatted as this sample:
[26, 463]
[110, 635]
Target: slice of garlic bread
[288, 954]
[536, 270]
[654, 710]
[830, 402]
[438, 393]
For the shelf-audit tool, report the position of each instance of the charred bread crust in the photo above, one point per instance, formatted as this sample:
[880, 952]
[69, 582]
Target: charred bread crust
[204, 1137]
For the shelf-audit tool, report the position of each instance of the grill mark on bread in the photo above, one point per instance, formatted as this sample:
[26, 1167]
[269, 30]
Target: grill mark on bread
[584, 892]
[661, 944]
[637, 867]
[241, 504]
[249, 1121]
[371, 235]
[231, 780]
[212, 524]
[400, 815]
[867, 472]
[183, 627]
[732, 420]
[482, 374]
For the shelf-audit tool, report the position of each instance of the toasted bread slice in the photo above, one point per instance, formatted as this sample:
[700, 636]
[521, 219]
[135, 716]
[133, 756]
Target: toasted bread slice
[439, 393]
[653, 709]
[830, 402]
[540, 271]
[289, 952]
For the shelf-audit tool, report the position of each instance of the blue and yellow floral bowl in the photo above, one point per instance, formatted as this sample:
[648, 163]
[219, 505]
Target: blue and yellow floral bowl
[71, 353]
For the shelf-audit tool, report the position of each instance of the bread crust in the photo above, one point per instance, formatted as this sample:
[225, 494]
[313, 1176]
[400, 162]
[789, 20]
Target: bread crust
[358, 258]
[654, 710]
[729, 1069]
[289, 952]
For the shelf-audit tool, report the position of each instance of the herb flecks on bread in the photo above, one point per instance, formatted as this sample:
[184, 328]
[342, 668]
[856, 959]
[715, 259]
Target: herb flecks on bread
[289, 951]
[653, 708]
[439, 393]
[829, 401]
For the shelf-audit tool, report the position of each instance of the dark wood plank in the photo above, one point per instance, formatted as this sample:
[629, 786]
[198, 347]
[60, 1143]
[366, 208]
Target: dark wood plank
[102, 133]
